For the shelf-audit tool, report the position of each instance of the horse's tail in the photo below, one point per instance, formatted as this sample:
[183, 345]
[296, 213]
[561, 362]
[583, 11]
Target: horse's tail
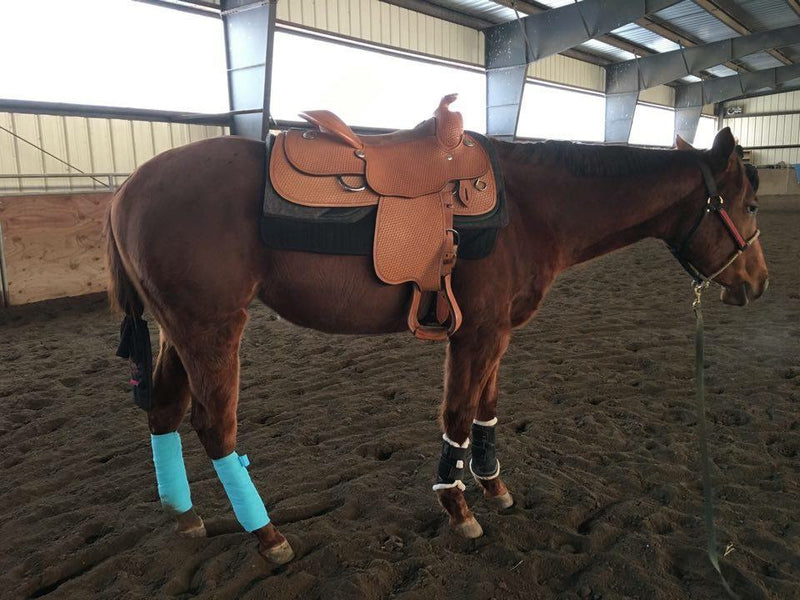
[122, 294]
[135, 336]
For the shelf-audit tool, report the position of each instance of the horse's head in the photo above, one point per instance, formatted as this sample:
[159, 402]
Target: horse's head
[719, 237]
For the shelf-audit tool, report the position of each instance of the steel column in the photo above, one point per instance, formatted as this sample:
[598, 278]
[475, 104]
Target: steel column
[249, 32]
[503, 98]
[626, 79]
[510, 47]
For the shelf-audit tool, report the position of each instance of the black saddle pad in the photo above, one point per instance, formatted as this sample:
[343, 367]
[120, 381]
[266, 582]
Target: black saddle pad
[288, 226]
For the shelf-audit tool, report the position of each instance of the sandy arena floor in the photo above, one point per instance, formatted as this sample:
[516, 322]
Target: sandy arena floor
[598, 444]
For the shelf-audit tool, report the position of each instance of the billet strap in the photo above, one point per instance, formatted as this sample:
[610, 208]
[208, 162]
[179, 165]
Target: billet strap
[327, 122]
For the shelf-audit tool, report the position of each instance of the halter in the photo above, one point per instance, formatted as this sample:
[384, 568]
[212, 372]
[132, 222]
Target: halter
[715, 205]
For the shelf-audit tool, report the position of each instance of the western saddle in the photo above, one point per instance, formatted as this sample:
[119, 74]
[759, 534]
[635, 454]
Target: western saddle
[419, 179]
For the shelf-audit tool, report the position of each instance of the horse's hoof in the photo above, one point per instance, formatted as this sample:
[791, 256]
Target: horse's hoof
[469, 529]
[278, 555]
[197, 531]
[501, 502]
[189, 524]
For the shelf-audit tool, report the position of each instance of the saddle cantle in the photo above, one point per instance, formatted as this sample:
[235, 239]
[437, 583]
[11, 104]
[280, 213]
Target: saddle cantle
[419, 179]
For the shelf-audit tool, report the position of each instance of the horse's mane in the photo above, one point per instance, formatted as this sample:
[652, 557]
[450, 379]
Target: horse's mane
[595, 160]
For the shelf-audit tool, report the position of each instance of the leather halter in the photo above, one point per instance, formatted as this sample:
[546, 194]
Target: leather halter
[715, 205]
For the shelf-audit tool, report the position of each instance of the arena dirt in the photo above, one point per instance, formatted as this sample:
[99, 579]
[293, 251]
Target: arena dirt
[597, 442]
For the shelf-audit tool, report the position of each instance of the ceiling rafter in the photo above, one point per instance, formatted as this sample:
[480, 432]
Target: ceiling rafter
[733, 16]
[680, 37]
[794, 5]
[532, 8]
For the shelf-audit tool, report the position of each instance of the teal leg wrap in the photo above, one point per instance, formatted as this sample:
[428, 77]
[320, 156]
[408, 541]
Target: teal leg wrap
[247, 504]
[173, 487]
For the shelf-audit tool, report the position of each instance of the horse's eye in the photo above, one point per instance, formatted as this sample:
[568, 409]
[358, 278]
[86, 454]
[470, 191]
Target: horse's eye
[752, 209]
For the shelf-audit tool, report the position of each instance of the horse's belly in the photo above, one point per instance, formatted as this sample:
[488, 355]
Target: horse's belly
[335, 294]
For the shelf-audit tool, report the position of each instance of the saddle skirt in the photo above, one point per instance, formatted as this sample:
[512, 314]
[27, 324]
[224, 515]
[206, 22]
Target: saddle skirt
[419, 180]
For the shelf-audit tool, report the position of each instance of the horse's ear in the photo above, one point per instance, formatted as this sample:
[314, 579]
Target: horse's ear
[722, 149]
[682, 144]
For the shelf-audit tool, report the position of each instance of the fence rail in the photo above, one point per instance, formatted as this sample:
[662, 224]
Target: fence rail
[108, 181]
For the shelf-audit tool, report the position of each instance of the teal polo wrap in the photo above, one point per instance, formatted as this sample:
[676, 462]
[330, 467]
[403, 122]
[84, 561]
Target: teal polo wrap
[247, 504]
[173, 487]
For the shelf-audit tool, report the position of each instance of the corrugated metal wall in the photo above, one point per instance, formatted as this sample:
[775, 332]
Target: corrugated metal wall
[757, 129]
[386, 24]
[569, 71]
[90, 144]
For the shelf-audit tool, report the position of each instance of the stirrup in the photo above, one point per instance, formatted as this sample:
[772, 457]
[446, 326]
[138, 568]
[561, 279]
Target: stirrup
[433, 332]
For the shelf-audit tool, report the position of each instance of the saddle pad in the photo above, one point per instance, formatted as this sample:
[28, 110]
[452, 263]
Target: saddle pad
[350, 230]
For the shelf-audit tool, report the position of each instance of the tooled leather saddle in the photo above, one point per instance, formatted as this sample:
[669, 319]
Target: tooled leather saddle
[422, 181]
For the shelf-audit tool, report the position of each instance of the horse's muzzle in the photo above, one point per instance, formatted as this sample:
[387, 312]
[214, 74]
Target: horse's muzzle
[742, 294]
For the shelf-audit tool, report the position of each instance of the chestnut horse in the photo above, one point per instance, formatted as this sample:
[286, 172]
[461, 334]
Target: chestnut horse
[184, 244]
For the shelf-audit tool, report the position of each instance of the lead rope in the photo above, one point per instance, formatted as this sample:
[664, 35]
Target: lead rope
[708, 490]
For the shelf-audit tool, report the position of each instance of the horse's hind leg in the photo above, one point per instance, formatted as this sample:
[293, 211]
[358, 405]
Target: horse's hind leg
[472, 358]
[170, 399]
[211, 359]
[484, 465]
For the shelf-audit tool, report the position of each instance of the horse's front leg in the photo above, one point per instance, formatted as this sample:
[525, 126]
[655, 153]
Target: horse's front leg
[472, 358]
[484, 465]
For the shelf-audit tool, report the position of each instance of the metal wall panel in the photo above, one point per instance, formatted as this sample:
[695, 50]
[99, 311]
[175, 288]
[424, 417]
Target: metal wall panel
[569, 71]
[387, 24]
[662, 94]
[90, 144]
[758, 129]
[772, 103]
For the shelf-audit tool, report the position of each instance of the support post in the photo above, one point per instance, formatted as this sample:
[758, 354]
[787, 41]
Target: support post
[504, 89]
[249, 33]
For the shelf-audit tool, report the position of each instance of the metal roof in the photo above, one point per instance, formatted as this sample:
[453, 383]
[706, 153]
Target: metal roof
[768, 14]
[685, 23]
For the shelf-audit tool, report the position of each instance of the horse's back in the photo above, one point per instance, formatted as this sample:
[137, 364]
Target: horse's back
[187, 219]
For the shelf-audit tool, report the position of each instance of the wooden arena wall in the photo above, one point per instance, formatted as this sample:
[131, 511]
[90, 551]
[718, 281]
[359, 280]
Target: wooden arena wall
[54, 245]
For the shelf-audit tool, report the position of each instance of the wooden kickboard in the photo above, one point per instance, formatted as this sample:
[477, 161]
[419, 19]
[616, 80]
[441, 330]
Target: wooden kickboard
[54, 245]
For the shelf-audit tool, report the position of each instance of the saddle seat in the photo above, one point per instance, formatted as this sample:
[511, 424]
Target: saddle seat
[418, 178]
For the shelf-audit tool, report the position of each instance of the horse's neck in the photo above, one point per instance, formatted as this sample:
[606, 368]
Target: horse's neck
[591, 216]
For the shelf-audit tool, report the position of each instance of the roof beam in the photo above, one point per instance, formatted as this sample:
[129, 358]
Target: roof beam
[625, 80]
[794, 5]
[725, 88]
[650, 71]
[689, 99]
[532, 8]
[680, 37]
[510, 47]
[735, 18]
[560, 29]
